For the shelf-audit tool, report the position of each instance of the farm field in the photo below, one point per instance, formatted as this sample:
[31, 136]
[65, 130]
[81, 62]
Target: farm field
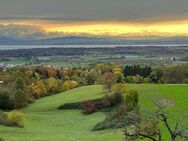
[43, 122]
[82, 57]
[81, 61]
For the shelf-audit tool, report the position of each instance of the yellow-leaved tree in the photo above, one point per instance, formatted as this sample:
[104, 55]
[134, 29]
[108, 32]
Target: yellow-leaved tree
[39, 89]
[73, 84]
[66, 86]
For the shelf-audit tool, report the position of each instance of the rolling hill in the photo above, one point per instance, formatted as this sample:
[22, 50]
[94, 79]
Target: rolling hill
[43, 122]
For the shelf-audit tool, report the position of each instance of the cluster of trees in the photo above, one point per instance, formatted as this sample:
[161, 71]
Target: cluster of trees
[176, 74]
[143, 71]
[173, 74]
[22, 85]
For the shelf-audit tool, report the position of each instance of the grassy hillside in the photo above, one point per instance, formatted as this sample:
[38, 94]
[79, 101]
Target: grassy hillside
[45, 123]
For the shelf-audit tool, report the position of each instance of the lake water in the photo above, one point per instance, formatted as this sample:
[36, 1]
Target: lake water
[11, 47]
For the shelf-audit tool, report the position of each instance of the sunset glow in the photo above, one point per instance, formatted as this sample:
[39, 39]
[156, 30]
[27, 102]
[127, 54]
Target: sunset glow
[121, 29]
[110, 28]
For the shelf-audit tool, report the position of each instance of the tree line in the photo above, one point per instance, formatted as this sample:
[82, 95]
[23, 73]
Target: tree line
[22, 85]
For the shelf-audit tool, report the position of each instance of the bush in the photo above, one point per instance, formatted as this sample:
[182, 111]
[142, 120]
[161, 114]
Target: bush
[66, 86]
[130, 79]
[20, 83]
[99, 103]
[119, 112]
[120, 88]
[114, 119]
[5, 102]
[139, 79]
[3, 118]
[76, 105]
[73, 84]
[15, 118]
[102, 103]
[119, 118]
[131, 100]
[1, 139]
[21, 99]
[89, 107]
[116, 99]
[108, 123]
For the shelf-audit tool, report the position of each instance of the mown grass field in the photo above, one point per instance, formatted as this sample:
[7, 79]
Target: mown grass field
[43, 122]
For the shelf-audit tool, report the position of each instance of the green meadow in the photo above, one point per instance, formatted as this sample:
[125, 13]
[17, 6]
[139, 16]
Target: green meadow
[43, 122]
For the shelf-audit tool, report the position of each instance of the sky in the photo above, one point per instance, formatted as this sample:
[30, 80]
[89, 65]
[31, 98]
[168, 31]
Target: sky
[117, 18]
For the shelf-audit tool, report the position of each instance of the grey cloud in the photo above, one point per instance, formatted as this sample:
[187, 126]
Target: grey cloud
[93, 9]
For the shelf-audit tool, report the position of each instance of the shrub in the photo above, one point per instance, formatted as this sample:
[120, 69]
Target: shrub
[146, 80]
[3, 118]
[116, 99]
[21, 99]
[73, 84]
[89, 107]
[108, 123]
[120, 88]
[102, 103]
[120, 78]
[119, 112]
[5, 102]
[66, 86]
[15, 118]
[1, 139]
[139, 79]
[20, 83]
[114, 119]
[76, 105]
[131, 100]
[119, 118]
[99, 103]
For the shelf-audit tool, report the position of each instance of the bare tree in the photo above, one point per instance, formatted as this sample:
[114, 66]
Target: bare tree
[174, 131]
[108, 80]
[149, 129]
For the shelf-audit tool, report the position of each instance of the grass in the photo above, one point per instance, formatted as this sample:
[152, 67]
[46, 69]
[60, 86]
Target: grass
[45, 123]
[176, 93]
